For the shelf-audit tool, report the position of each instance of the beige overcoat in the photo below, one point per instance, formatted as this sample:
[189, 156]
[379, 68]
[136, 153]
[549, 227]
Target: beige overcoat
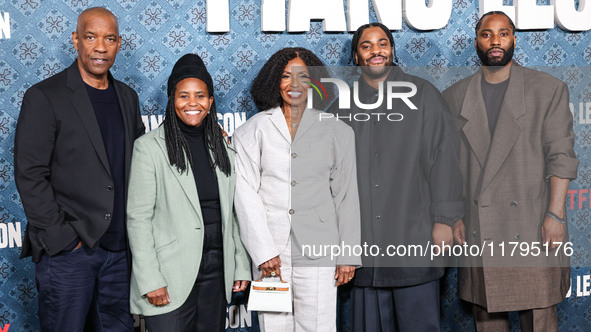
[507, 187]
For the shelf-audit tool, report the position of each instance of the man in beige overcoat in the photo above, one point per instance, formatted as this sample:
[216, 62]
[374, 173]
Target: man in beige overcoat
[517, 160]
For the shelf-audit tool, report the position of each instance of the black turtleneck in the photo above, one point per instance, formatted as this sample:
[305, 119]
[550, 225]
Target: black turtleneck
[205, 178]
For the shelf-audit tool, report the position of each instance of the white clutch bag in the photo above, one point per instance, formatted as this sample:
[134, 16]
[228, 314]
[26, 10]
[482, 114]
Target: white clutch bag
[270, 296]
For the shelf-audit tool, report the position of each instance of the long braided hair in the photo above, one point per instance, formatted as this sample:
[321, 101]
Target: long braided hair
[178, 147]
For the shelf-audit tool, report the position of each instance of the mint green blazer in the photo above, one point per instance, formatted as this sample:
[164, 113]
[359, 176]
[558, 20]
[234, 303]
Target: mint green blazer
[165, 227]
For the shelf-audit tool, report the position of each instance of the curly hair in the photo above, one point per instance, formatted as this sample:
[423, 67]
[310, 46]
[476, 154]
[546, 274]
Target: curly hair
[178, 147]
[265, 87]
[358, 34]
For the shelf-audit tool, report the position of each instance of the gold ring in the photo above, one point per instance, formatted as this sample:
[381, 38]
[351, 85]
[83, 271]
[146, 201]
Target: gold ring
[273, 273]
[350, 278]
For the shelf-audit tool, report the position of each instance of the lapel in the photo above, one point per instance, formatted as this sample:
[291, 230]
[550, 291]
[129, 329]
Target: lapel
[83, 107]
[186, 180]
[307, 121]
[508, 129]
[128, 131]
[476, 127]
[279, 122]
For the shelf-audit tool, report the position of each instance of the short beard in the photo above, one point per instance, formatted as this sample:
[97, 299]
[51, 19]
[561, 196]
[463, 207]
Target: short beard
[486, 61]
[375, 72]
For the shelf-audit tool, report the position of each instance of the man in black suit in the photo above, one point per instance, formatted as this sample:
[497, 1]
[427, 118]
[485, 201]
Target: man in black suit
[72, 154]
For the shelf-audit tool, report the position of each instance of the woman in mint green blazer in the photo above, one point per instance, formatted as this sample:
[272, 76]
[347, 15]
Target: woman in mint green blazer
[186, 250]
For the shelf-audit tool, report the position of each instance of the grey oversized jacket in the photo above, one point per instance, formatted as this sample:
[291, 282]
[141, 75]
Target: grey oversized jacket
[507, 187]
[408, 176]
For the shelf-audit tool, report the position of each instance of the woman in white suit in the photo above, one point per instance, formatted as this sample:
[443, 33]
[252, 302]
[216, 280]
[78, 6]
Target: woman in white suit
[296, 185]
[186, 250]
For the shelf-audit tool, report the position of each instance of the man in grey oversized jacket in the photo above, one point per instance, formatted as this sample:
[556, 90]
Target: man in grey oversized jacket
[517, 158]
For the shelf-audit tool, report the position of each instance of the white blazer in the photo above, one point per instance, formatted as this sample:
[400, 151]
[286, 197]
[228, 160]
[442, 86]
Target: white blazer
[308, 186]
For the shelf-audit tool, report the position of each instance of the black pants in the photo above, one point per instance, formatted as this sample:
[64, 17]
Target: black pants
[80, 284]
[205, 308]
[396, 309]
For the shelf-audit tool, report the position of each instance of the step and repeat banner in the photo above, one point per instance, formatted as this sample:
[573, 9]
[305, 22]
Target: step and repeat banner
[235, 38]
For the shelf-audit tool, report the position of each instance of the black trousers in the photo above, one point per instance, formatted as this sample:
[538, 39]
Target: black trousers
[79, 287]
[205, 308]
[396, 309]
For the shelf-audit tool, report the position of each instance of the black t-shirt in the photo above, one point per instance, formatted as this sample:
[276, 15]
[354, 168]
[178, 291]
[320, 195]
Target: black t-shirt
[493, 94]
[108, 115]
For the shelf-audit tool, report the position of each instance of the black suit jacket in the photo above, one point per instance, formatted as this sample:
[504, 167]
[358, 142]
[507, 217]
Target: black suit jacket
[61, 166]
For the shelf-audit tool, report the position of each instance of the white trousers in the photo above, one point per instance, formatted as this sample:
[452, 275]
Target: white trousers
[314, 295]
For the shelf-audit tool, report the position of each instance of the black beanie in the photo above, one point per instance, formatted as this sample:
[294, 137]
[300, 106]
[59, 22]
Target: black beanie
[189, 65]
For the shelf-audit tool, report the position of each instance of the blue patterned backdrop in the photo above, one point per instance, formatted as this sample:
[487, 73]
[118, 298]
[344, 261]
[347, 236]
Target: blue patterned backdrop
[156, 33]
